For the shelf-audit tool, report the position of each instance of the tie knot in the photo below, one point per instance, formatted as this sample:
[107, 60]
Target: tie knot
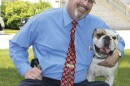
[74, 22]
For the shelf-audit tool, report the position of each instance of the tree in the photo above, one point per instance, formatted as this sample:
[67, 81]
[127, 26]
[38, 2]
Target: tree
[14, 12]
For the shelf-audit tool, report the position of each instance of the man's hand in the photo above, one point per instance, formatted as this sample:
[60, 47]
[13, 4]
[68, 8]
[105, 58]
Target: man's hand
[34, 73]
[110, 61]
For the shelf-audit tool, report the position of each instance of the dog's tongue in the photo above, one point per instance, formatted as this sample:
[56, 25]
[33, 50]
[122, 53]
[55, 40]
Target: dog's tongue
[105, 50]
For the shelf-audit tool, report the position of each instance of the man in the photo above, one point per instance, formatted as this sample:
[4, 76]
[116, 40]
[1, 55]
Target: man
[49, 35]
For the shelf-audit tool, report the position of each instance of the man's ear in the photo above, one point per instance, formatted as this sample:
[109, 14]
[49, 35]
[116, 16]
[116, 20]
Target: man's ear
[94, 31]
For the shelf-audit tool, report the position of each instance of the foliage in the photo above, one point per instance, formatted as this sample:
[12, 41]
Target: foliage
[14, 12]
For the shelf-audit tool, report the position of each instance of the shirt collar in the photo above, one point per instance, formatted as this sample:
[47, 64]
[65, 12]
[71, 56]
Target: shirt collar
[67, 19]
[83, 21]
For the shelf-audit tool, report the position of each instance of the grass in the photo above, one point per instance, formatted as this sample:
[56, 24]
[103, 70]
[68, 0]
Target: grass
[10, 77]
[8, 74]
[10, 31]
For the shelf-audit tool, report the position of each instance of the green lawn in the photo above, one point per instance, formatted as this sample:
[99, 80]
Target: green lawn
[10, 77]
[8, 74]
[9, 31]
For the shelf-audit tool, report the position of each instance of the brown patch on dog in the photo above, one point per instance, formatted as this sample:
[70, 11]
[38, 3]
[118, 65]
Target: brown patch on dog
[98, 33]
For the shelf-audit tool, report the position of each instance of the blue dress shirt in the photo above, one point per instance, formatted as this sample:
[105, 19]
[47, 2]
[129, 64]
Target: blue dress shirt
[49, 35]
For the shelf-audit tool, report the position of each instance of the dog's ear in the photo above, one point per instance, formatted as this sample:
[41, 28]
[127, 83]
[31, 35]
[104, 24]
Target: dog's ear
[118, 37]
[94, 32]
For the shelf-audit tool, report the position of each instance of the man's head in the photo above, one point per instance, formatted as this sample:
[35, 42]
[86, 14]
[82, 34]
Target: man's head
[79, 8]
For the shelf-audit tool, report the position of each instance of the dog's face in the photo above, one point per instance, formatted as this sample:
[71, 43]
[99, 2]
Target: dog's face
[104, 42]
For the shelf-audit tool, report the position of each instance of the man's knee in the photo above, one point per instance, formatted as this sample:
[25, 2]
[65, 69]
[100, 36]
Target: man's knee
[98, 83]
[30, 82]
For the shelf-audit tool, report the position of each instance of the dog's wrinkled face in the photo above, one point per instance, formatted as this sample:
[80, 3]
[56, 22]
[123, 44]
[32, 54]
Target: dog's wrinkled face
[104, 42]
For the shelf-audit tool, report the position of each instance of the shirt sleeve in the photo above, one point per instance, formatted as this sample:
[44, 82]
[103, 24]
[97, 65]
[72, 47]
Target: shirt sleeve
[121, 46]
[19, 56]
[19, 45]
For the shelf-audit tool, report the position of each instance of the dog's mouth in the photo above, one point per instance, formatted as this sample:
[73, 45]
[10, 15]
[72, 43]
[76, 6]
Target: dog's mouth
[103, 51]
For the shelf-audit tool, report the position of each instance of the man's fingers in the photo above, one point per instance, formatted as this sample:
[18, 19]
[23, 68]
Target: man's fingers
[105, 63]
[34, 73]
[38, 73]
[36, 77]
[102, 63]
[37, 70]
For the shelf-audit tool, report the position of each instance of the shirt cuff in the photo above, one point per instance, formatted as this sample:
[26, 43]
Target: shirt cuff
[24, 68]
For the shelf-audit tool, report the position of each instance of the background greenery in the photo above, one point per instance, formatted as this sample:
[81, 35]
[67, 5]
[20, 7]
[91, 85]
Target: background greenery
[14, 12]
[10, 31]
[10, 77]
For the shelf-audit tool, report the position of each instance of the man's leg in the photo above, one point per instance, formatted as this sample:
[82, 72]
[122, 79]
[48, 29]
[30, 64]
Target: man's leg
[94, 83]
[97, 83]
[44, 82]
[30, 82]
[52, 82]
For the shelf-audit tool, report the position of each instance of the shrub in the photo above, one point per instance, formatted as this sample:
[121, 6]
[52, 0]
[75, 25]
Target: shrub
[14, 12]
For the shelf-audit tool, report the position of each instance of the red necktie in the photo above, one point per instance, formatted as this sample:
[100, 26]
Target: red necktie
[69, 66]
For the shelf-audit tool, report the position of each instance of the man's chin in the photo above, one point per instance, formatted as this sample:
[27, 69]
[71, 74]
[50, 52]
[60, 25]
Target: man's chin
[79, 15]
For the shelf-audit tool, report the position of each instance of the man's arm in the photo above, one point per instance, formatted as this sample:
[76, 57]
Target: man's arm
[19, 56]
[18, 50]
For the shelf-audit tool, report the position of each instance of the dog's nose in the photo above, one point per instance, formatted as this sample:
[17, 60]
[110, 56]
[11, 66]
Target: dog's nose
[107, 38]
[107, 41]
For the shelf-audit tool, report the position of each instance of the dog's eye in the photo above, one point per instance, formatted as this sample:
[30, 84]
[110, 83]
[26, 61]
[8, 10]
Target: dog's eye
[114, 37]
[99, 35]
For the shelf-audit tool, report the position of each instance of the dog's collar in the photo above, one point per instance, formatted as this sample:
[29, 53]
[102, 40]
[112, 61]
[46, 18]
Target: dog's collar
[99, 57]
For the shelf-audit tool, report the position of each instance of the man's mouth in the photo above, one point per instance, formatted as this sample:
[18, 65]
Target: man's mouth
[103, 50]
[82, 8]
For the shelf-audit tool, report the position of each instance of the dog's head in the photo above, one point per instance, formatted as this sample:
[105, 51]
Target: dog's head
[104, 42]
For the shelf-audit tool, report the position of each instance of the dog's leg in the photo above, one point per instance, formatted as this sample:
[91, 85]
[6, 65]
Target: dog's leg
[110, 80]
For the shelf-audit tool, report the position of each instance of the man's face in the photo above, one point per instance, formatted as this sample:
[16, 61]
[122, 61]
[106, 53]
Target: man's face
[79, 8]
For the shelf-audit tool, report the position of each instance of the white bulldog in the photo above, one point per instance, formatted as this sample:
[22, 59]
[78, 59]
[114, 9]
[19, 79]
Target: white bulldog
[104, 44]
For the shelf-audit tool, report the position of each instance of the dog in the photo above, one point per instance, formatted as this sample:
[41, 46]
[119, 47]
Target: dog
[104, 44]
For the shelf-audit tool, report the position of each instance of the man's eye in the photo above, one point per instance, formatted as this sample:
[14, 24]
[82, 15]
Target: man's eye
[92, 1]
